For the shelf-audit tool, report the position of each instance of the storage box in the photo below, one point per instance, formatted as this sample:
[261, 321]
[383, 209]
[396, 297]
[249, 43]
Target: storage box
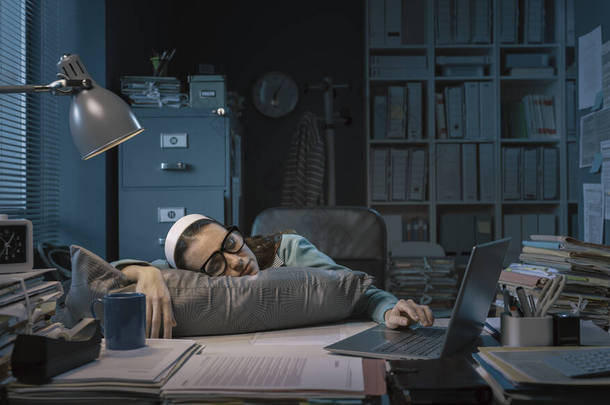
[207, 91]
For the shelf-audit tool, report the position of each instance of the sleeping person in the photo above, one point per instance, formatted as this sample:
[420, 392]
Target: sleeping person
[201, 244]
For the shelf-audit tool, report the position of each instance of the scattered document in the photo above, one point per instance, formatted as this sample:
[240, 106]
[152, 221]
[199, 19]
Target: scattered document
[606, 72]
[605, 151]
[267, 375]
[593, 212]
[590, 67]
[319, 336]
[594, 128]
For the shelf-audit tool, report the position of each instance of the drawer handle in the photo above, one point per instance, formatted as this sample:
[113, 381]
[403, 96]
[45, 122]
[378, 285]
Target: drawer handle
[161, 241]
[174, 166]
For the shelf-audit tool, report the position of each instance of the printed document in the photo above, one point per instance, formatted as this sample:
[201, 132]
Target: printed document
[594, 128]
[606, 72]
[605, 150]
[593, 212]
[589, 67]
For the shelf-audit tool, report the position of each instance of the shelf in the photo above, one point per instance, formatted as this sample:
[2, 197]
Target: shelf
[528, 78]
[461, 78]
[399, 141]
[399, 79]
[465, 203]
[397, 203]
[397, 47]
[526, 46]
[463, 46]
[528, 140]
[530, 202]
[464, 141]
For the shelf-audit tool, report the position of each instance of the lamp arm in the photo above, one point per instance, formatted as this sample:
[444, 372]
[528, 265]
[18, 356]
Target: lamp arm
[58, 86]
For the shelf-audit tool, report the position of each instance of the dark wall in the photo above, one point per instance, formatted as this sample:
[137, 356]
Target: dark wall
[306, 39]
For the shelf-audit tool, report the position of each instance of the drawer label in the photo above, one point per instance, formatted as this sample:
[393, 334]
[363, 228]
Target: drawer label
[174, 140]
[170, 214]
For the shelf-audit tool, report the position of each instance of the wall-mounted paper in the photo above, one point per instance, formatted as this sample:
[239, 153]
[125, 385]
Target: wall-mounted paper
[589, 67]
[605, 149]
[594, 128]
[593, 212]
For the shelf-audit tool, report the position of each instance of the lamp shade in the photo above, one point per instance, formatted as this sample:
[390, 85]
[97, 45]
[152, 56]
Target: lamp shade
[99, 119]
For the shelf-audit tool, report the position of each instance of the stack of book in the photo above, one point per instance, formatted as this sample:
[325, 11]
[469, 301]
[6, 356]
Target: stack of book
[465, 111]
[428, 281]
[388, 66]
[531, 117]
[470, 65]
[531, 65]
[586, 267]
[27, 303]
[153, 91]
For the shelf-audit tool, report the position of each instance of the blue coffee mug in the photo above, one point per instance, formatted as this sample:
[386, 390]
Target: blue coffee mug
[124, 325]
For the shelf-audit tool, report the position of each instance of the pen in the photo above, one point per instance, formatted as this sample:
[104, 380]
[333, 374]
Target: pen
[523, 302]
[530, 298]
[506, 298]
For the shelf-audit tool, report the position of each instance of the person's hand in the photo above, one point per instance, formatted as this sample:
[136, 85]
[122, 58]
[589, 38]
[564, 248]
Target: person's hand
[406, 313]
[150, 282]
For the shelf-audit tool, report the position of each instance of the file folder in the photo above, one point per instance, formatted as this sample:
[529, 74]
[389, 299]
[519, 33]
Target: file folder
[417, 175]
[472, 105]
[530, 174]
[379, 174]
[414, 110]
[486, 171]
[393, 13]
[448, 167]
[550, 173]
[469, 172]
[399, 164]
[510, 170]
[376, 23]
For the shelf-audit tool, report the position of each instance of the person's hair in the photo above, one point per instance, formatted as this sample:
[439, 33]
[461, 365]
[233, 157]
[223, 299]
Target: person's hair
[264, 247]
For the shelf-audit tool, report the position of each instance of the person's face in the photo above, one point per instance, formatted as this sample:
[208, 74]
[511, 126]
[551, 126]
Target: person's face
[209, 242]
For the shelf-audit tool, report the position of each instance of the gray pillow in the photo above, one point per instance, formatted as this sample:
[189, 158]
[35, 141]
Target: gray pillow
[273, 299]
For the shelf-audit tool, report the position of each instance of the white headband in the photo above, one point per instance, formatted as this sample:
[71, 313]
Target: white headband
[174, 235]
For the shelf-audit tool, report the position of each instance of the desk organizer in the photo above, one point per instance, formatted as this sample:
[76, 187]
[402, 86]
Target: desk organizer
[526, 331]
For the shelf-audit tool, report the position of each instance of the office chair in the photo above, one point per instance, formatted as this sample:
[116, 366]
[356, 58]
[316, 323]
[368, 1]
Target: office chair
[354, 237]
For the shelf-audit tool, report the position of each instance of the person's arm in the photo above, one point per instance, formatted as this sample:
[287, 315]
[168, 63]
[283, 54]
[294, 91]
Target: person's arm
[149, 281]
[379, 305]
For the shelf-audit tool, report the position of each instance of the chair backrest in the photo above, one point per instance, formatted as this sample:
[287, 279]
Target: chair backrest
[354, 237]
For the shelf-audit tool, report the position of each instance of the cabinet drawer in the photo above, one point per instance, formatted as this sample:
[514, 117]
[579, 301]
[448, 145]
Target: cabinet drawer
[140, 228]
[176, 152]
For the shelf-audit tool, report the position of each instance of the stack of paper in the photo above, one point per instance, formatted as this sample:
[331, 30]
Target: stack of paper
[153, 91]
[20, 292]
[586, 267]
[432, 282]
[266, 376]
[123, 376]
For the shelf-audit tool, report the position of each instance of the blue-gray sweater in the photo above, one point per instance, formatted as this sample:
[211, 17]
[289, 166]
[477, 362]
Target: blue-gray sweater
[297, 251]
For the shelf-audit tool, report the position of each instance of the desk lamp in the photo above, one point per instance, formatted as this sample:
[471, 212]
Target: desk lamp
[99, 119]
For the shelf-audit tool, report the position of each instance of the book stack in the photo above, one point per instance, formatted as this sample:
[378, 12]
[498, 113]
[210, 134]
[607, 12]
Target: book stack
[530, 65]
[398, 66]
[472, 65]
[465, 112]
[398, 112]
[463, 22]
[586, 267]
[415, 229]
[27, 303]
[398, 174]
[531, 117]
[427, 281]
[153, 91]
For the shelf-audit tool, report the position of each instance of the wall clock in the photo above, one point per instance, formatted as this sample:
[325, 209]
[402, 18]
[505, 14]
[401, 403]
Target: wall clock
[16, 245]
[275, 94]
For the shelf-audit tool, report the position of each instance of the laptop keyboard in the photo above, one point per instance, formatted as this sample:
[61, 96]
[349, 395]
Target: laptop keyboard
[420, 342]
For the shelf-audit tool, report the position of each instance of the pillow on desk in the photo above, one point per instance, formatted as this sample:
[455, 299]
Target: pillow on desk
[273, 299]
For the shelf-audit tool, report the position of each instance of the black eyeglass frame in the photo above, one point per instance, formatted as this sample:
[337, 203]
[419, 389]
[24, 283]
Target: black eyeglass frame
[222, 251]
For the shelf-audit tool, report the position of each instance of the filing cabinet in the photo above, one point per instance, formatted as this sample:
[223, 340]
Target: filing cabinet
[180, 165]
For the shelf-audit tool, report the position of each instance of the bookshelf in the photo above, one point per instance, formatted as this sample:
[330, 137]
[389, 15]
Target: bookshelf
[423, 59]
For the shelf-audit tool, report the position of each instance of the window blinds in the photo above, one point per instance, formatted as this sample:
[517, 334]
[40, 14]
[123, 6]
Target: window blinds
[29, 124]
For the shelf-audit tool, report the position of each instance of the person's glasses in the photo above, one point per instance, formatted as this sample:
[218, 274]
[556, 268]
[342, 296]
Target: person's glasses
[217, 265]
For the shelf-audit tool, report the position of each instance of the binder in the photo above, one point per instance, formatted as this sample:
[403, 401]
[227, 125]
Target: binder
[393, 13]
[572, 171]
[399, 167]
[481, 22]
[380, 114]
[396, 112]
[570, 24]
[441, 120]
[448, 172]
[414, 110]
[548, 114]
[376, 23]
[534, 21]
[547, 224]
[444, 27]
[571, 106]
[511, 186]
[486, 171]
[486, 111]
[512, 228]
[413, 15]
[530, 174]
[509, 18]
[462, 21]
[454, 99]
[469, 172]
[529, 226]
[550, 172]
[471, 110]
[379, 174]
[417, 175]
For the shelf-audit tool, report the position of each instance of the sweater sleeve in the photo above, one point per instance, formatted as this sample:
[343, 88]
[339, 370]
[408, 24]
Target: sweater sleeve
[297, 251]
[159, 263]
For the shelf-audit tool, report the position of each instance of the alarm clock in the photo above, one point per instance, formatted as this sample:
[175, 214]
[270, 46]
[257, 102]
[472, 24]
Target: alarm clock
[16, 245]
[275, 94]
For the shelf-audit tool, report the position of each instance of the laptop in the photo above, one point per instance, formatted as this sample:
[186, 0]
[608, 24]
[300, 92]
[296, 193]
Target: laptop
[474, 299]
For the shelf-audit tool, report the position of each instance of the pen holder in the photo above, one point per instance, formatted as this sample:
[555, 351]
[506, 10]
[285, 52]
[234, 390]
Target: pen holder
[526, 331]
